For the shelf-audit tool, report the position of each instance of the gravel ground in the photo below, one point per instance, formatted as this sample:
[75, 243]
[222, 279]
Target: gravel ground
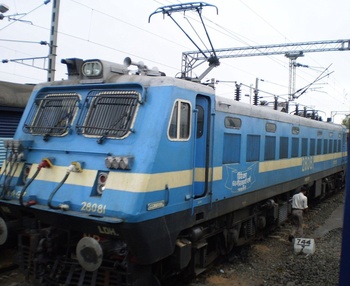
[272, 261]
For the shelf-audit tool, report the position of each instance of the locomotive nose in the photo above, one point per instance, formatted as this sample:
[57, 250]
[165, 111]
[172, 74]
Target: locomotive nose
[3, 231]
[89, 253]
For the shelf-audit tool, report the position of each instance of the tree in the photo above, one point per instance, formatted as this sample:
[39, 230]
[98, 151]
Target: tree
[346, 121]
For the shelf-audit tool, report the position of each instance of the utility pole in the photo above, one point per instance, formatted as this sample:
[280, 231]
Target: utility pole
[292, 72]
[53, 41]
[51, 66]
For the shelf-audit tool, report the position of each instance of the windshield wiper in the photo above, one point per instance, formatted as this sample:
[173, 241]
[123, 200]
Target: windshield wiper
[104, 136]
[64, 119]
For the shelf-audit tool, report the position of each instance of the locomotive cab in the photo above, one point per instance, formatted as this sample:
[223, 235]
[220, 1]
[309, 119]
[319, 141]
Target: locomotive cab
[110, 155]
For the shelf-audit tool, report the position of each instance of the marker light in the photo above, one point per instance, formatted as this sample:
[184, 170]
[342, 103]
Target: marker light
[92, 69]
[102, 178]
[26, 172]
[101, 182]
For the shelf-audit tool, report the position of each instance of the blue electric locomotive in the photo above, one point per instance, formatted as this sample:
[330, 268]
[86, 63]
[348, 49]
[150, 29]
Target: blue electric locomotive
[128, 178]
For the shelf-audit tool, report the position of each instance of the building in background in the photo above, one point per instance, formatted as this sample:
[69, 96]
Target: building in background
[13, 99]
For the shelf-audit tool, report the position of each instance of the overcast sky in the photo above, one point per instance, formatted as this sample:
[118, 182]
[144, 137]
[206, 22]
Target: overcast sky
[114, 29]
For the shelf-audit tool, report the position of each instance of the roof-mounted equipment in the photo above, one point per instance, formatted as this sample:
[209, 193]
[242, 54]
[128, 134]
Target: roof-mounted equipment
[197, 7]
[142, 68]
[98, 71]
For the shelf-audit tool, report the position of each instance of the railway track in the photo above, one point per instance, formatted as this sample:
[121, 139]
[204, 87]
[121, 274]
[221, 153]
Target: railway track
[9, 271]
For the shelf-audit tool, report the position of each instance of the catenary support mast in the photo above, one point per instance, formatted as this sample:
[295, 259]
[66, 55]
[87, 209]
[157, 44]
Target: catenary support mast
[53, 41]
[194, 59]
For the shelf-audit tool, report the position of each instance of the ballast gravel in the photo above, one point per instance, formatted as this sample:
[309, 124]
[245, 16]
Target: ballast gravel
[272, 260]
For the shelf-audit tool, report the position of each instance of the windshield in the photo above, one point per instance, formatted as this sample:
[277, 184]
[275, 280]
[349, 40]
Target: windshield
[108, 113]
[52, 114]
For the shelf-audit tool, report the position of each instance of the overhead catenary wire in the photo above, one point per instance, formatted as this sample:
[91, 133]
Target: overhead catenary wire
[276, 30]
[228, 33]
[25, 14]
[282, 63]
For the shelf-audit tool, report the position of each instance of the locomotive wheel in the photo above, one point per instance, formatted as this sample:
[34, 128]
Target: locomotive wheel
[3, 231]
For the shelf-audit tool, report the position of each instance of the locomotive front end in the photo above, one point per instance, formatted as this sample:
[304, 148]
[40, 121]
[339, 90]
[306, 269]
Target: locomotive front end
[67, 178]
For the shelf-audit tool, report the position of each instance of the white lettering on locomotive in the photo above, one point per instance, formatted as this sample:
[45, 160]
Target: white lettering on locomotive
[93, 207]
[106, 230]
[307, 163]
[242, 180]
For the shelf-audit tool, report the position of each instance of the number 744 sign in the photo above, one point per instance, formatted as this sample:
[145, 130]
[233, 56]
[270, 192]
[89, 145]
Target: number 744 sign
[304, 245]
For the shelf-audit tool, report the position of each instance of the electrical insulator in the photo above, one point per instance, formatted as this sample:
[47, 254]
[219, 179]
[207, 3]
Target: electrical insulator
[256, 99]
[297, 109]
[275, 103]
[313, 114]
[238, 92]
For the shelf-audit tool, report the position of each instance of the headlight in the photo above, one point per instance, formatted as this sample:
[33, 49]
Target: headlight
[92, 69]
[119, 162]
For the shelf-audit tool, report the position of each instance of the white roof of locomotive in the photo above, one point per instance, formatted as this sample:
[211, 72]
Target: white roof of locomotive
[223, 104]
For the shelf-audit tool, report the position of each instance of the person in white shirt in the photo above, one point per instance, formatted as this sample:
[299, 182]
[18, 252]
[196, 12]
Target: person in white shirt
[299, 206]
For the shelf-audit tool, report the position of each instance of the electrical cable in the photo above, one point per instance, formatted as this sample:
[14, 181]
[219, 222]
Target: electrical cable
[49, 202]
[24, 15]
[43, 164]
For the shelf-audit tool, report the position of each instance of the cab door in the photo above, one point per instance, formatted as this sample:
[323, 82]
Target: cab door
[202, 146]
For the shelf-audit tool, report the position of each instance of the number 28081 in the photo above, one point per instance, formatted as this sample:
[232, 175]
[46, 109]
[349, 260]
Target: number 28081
[93, 208]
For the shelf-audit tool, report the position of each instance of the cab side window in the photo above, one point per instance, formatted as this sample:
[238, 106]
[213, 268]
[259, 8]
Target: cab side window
[180, 122]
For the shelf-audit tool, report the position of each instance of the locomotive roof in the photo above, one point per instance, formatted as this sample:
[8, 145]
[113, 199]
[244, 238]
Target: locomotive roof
[223, 104]
[232, 106]
[145, 81]
[165, 81]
